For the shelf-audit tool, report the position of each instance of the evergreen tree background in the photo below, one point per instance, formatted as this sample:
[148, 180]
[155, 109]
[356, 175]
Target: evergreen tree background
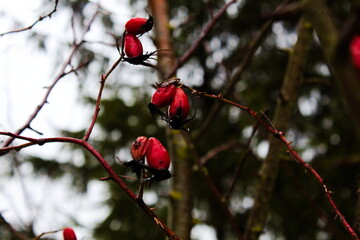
[321, 127]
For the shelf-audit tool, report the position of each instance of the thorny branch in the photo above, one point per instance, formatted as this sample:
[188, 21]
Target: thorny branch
[36, 22]
[83, 142]
[112, 174]
[280, 135]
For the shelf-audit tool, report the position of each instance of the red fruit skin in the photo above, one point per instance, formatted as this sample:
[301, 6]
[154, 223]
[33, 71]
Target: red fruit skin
[180, 106]
[133, 46]
[163, 96]
[133, 26]
[157, 156]
[69, 234]
[355, 51]
[138, 25]
[139, 148]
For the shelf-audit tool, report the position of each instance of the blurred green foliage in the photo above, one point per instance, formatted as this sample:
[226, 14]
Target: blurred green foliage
[324, 136]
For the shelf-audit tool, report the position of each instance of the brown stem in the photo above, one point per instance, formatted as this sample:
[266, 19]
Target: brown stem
[213, 152]
[241, 163]
[247, 55]
[283, 114]
[279, 135]
[98, 100]
[186, 56]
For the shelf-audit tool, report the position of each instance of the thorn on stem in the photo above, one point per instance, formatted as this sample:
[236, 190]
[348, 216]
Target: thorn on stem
[105, 178]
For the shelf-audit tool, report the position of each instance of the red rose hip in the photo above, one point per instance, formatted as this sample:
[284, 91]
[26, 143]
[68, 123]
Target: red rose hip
[69, 234]
[163, 96]
[355, 51]
[138, 25]
[180, 106]
[133, 46]
[157, 156]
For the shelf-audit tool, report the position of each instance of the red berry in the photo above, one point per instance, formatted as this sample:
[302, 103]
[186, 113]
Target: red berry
[139, 148]
[69, 234]
[139, 25]
[355, 51]
[157, 156]
[163, 96]
[133, 46]
[179, 107]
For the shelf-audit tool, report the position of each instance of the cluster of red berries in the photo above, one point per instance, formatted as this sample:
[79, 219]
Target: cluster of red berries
[69, 234]
[157, 158]
[355, 51]
[168, 94]
[131, 43]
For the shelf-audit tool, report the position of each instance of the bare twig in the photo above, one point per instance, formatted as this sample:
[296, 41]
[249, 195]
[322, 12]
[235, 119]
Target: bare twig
[36, 22]
[62, 73]
[218, 149]
[45, 233]
[241, 163]
[213, 187]
[246, 57]
[186, 56]
[280, 135]
[98, 100]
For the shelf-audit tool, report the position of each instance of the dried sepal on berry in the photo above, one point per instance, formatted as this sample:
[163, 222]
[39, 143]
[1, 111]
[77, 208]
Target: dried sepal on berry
[138, 151]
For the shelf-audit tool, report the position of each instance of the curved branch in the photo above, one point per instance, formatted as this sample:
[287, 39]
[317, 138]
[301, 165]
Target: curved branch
[280, 135]
[112, 174]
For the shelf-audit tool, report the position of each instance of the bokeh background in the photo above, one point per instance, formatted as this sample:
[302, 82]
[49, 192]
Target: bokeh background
[45, 188]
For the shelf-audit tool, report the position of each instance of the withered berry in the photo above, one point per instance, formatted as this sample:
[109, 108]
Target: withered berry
[139, 148]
